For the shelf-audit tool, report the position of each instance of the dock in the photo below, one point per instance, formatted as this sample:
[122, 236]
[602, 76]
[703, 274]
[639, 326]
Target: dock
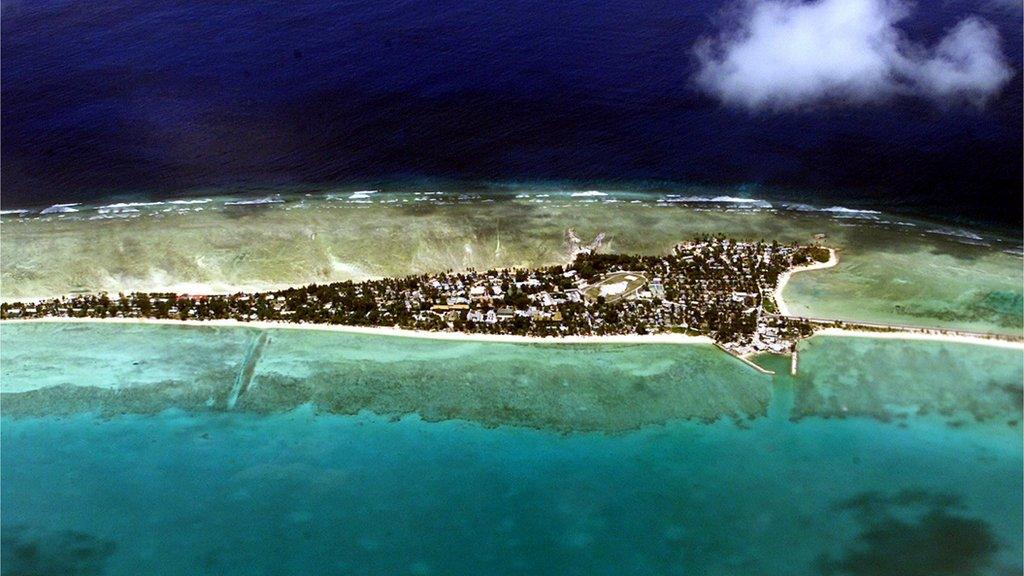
[745, 360]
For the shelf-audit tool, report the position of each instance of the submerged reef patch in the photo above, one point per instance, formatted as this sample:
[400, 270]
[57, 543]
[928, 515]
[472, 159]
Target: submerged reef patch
[26, 551]
[888, 378]
[584, 387]
[911, 533]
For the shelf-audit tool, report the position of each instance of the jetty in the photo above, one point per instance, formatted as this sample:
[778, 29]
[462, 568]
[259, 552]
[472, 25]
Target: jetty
[745, 360]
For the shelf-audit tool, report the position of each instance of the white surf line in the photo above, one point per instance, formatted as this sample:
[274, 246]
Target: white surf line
[780, 304]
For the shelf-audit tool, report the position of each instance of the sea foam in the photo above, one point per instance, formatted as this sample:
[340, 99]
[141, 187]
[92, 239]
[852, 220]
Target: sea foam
[256, 202]
[61, 208]
[751, 202]
[361, 194]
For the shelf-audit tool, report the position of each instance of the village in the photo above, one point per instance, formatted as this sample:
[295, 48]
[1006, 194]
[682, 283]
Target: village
[712, 286]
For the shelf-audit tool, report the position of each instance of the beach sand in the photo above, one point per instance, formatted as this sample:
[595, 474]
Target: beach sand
[957, 338]
[391, 331]
[784, 279]
[512, 338]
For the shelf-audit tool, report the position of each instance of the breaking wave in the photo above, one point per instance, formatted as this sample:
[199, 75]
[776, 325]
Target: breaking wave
[61, 209]
[361, 194]
[839, 210]
[747, 202]
[956, 233]
[256, 202]
[125, 207]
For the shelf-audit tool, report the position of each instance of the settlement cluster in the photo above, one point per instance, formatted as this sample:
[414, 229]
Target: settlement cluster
[711, 285]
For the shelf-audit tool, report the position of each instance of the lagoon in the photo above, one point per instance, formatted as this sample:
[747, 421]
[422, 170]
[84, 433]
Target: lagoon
[373, 463]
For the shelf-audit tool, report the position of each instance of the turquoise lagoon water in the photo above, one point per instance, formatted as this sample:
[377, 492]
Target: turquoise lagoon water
[368, 455]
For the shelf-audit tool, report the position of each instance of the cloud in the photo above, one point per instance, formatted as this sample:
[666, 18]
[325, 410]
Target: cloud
[787, 54]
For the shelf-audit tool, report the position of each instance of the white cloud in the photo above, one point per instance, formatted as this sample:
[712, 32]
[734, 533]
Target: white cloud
[787, 54]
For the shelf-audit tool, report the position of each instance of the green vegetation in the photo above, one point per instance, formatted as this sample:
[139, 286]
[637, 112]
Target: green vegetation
[712, 285]
[819, 253]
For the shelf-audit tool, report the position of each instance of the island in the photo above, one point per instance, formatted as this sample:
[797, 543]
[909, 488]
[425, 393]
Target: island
[717, 288]
[713, 286]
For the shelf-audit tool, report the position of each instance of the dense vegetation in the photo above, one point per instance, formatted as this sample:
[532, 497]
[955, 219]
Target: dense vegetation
[711, 285]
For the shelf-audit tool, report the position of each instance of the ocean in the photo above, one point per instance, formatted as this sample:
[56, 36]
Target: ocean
[381, 455]
[209, 147]
[172, 97]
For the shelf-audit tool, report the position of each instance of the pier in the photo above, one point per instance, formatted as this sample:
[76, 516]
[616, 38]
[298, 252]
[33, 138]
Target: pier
[745, 360]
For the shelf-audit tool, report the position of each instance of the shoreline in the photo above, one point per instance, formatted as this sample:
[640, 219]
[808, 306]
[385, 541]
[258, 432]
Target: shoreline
[182, 288]
[389, 331]
[953, 338]
[780, 303]
[511, 338]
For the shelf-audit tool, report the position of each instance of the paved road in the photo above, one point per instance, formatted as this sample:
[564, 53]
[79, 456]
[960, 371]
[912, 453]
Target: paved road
[902, 328]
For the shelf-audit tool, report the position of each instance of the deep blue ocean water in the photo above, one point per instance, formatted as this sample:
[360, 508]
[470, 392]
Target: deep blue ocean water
[165, 97]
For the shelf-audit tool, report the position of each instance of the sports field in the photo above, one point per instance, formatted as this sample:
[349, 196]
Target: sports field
[616, 286]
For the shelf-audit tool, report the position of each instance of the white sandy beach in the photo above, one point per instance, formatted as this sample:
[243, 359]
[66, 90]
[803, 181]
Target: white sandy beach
[955, 338]
[390, 331]
[511, 338]
[784, 279]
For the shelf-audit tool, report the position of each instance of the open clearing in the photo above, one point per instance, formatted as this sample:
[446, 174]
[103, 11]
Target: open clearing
[616, 286]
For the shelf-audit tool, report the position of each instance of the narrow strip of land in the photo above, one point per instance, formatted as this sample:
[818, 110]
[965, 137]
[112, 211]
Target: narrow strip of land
[387, 331]
[711, 286]
[709, 290]
[922, 334]
[927, 334]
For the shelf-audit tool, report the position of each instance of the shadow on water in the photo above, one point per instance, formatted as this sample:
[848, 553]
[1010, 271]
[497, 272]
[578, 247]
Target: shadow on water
[29, 552]
[911, 533]
[964, 252]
